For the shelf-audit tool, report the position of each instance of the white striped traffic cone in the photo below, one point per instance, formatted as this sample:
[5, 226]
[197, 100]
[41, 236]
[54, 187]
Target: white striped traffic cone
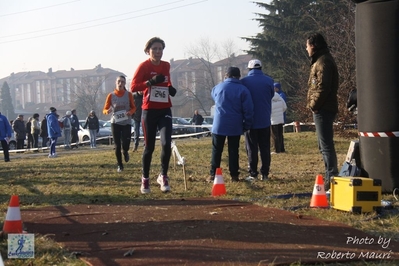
[218, 188]
[13, 222]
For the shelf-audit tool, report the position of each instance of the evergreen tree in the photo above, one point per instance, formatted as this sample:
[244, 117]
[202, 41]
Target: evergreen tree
[281, 45]
[6, 106]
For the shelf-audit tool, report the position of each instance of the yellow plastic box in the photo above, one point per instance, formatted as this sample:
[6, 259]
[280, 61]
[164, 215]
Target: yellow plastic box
[356, 194]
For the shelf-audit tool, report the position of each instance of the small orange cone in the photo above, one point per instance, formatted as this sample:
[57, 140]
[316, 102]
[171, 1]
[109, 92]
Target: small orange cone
[319, 198]
[13, 223]
[218, 188]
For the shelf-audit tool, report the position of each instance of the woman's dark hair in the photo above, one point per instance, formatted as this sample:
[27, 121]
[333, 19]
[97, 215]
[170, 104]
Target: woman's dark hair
[121, 76]
[36, 115]
[151, 42]
[318, 41]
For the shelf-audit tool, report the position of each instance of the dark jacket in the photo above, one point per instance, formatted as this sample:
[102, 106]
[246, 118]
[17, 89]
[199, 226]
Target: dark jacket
[138, 101]
[197, 119]
[19, 128]
[43, 128]
[74, 122]
[323, 82]
[92, 123]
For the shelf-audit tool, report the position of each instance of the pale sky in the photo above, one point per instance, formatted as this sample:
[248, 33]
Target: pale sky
[80, 34]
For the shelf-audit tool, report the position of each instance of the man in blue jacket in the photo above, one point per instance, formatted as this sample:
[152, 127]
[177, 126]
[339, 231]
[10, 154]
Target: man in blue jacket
[233, 116]
[5, 135]
[257, 138]
[53, 130]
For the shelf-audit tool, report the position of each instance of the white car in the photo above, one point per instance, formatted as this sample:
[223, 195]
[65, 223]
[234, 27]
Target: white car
[84, 134]
[107, 124]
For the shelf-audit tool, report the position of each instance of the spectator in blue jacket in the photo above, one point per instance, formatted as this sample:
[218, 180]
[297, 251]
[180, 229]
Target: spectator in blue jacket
[53, 130]
[257, 138]
[233, 116]
[5, 135]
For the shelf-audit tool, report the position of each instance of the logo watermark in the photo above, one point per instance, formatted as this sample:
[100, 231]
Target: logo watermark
[21, 246]
[383, 242]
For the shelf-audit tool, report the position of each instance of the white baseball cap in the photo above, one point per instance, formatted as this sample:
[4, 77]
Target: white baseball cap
[254, 63]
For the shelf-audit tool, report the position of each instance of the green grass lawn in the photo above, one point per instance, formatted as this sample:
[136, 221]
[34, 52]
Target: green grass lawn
[89, 176]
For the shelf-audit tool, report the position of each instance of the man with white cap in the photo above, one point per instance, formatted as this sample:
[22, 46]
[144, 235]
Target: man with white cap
[257, 138]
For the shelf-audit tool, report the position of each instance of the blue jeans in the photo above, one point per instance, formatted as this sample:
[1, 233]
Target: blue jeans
[52, 145]
[325, 137]
[198, 129]
[93, 137]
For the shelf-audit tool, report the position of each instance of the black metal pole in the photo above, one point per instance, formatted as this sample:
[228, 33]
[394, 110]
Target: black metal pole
[377, 77]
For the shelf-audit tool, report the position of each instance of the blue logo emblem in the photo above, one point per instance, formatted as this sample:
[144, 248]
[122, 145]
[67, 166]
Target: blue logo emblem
[21, 246]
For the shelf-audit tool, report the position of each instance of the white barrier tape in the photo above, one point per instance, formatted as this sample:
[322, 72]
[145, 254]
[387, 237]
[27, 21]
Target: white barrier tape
[386, 134]
[180, 160]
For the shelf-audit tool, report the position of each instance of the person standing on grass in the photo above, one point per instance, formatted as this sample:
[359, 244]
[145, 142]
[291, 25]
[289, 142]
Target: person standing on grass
[233, 116]
[138, 102]
[29, 133]
[152, 77]
[35, 130]
[94, 126]
[5, 135]
[257, 138]
[20, 131]
[75, 129]
[53, 130]
[322, 100]
[197, 120]
[67, 128]
[43, 131]
[120, 105]
[277, 88]
[277, 120]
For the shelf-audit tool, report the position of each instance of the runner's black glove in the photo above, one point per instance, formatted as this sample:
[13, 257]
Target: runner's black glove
[156, 79]
[172, 91]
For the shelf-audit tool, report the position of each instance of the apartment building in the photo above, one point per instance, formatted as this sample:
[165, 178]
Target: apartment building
[57, 88]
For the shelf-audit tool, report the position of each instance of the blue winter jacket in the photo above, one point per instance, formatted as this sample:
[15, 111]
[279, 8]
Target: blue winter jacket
[53, 126]
[262, 91]
[233, 108]
[5, 128]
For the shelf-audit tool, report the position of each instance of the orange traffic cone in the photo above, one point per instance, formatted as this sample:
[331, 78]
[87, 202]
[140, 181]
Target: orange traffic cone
[218, 188]
[319, 198]
[13, 223]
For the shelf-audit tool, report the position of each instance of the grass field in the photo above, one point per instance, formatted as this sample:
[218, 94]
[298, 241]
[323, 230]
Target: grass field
[89, 176]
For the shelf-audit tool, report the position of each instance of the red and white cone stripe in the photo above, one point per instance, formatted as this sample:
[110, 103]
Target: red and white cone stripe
[13, 214]
[218, 180]
[386, 134]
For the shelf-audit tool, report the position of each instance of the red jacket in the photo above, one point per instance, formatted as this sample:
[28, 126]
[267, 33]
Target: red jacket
[145, 71]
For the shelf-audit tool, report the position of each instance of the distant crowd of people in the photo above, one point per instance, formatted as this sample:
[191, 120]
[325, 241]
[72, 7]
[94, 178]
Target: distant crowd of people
[49, 129]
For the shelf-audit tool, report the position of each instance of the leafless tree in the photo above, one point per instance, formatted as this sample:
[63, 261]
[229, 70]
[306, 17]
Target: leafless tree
[207, 52]
[89, 95]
